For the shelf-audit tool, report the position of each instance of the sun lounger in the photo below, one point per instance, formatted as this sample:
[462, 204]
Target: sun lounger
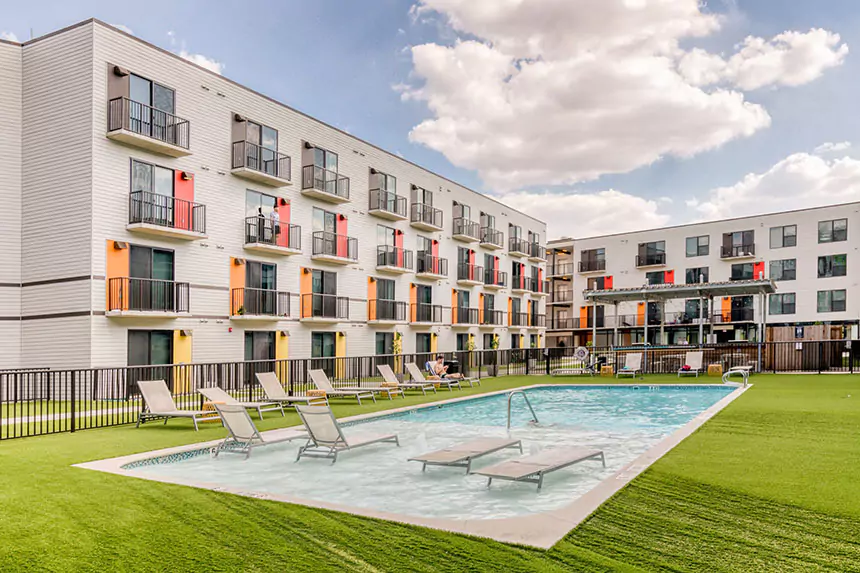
[461, 455]
[390, 379]
[417, 376]
[275, 392]
[532, 469]
[632, 365]
[321, 381]
[217, 395]
[430, 370]
[326, 438]
[694, 361]
[158, 404]
[242, 434]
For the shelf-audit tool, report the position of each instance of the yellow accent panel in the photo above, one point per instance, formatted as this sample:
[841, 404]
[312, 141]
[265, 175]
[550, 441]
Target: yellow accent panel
[340, 350]
[540, 341]
[522, 341]
[371, 298]
[181, 355]
[434, 342]
[116, 265]
[237, 280]
[282, 353]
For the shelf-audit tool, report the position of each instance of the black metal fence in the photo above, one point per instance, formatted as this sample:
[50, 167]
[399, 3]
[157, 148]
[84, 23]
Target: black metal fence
[142, 119]
[249, 155]
[147, 295]
[165, 211]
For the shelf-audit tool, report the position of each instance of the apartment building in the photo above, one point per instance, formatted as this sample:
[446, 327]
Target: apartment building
[155, 212]
[807, 253]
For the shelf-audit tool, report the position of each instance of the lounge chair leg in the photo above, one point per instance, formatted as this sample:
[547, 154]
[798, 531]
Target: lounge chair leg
[165, 421]
[603, 458]
[194, 419]
[260, 411]
[540, 481]
[359, 399]
[468, 466]
[281, 407]
[139, 418]
[489, 481]
[374, 398]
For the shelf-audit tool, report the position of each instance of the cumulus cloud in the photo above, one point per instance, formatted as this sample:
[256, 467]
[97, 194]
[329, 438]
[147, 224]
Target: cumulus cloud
[10, 36]
[560, 91]
[202, 61]
[124, 28]
[832, 147]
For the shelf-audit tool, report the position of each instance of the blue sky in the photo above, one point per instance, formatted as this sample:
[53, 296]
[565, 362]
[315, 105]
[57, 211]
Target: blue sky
[338, 61]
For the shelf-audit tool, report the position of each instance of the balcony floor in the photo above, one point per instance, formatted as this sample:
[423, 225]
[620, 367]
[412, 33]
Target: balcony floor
[493, 287]
[430, 276]
[465, 238]
[258, 317]
[160, 231]
[260, 177]
[271, 249]
[323, 196]
[425, 226]
[148, 143]
[333, 259]
[321, 320]
[386, 322]
[491, 246]
[155, 314]
[382, 214]
[469, 282]
[392, 269]
[517, 254]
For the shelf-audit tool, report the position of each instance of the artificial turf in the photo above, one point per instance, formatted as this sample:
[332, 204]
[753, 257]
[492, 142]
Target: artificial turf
[769, 484]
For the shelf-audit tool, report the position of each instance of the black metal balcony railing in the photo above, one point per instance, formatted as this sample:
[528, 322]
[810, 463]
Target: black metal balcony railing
[538, 320]
[493, 317]
[519, 319]
[734, 315]
[562, 295]
[325, 181]
[537, 251]
[539, 286]
[737, 251]
[422, 312]
[495, 277]
[258, 158]
[490, 236]
[518, 246]
[147, 295]
[381, 200]
[318, 305]
[263, 230]
[390, 256]
[259, 302]
[467, 272]
[466, 228]
[163, 211]
[334, 245]
[426, 214]
[465, 315]
[649, 260]
[593, 265]
[560, 269]
[148, 121]
[386, 310]
[520, 282]
[431, 265]
[563, 323]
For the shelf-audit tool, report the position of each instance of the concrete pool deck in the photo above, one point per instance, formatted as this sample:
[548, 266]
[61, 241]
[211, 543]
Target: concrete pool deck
[541, 530]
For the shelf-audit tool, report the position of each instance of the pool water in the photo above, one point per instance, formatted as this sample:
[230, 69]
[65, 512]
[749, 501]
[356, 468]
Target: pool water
[622, 421]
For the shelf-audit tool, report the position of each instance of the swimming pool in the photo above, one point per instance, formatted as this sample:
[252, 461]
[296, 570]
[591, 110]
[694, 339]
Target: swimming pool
[624, 422]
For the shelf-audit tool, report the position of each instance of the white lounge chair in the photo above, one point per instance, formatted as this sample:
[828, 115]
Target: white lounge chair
[275, 392]
[217, 395]
[430, 370]
[694, 361]
[321, 381]
[461, 455]
[418, 376]
[532, 468]
[391, 379]
[242, 434]
[158, 404]
[326, 438]
[632, 365]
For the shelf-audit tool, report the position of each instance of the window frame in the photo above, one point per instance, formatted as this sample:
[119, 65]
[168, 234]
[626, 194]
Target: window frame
[782, 230]
[783, 270]
[832, 224]
[778, 305]
[829, 298]
[699, 251]
[831, 267]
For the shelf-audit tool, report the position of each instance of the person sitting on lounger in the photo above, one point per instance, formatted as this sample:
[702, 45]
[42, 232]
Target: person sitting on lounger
[441, 370]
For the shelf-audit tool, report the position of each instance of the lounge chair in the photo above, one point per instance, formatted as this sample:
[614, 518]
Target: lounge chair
[533, 468]
[431, 371]
[632, 365]
[321, 381]
[242, 434]
[694, 361]
[326, 438]
[461, 455]
[217, 395]
[393, 382]
[158, 404]
[275, 392]
[417, 376]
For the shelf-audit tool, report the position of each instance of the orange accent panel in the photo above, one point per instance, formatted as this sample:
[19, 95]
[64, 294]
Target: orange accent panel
[583, 317]
[640, 314]
[371, 299]
[413, 299]
[237, 280]
[510, 310]
[529, 310]
[726, 308]
[607, 283]
[117, 266]
[481, 308]
[453, 306]
[182, 191]
[669, 277]
[306, 278]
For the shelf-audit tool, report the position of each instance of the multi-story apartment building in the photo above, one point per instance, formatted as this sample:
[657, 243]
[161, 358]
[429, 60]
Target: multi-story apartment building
[807, 253]
[156, 212]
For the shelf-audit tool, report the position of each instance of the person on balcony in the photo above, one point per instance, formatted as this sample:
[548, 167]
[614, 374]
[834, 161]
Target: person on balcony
[276, 223]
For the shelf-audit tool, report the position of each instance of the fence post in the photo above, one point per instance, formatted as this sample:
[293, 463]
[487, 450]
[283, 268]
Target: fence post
[820, 355]
[74, 400]
[547, 358]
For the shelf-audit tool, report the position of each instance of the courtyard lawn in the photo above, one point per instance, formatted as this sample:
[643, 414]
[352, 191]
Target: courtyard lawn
[768, 484]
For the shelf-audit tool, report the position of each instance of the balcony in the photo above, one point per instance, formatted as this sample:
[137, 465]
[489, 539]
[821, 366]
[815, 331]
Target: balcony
[654, 260]
[386, 312]
[430, 267]
[426, 217]
[492, 318]
[495, 279]
[491, 238]
[464, 317]
[540, 288]
[391, 259]
[262, 165]
[521, 284]
[537, 321]
[324, 308]
[470, 275]
[733, 315]
[518, 247]
[592, 266]
[466, 230]
[164, 216]
[738, 252]
[147, 298]
[519, 319]
[144, 126]
[425, 314]
[333, 248]
[563, 324]
[261, 235]
[387, 205]
[324, 185]
[561, 296]
[560, 270]
[256, 304]
[537, 252]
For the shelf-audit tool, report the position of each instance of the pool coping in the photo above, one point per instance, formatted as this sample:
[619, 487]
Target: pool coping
[540, 530]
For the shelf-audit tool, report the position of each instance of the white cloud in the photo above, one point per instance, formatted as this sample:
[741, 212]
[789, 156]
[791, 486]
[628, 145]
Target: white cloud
[10, 36]
[559, 91]
[832, 147]
[124, 28]
[202, 61]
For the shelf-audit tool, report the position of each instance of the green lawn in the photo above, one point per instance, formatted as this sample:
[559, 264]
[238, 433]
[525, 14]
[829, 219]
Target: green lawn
[769, 484]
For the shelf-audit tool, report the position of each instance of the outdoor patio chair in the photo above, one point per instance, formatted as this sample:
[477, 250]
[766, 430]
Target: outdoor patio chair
[158, 404]
[533, 468]
[632, 365]
[218, 395]
[242, 434]
[321, 381]
[694, 361]
[275, 392]
[417, 376]
[326, 438]
[431, 371]
[391, 379]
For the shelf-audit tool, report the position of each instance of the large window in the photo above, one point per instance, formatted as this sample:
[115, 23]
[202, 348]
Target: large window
[259, 345]
[462, 341]
[655, 278]
[150, 347]
[738, 244]
[831, 301]
[422, 342]
[697, 275]
[597, 283]
[742, 272]
[515, 232]
[784, 270]
[323, 345]
[698, 246]
[152, 193]
[324, 220]
[385, 343]
[833, 231]
[385, 289]
[422, 196]
[832, 266]
[653, 253]
[785, 236]
[325, 159]
[782, 303]
[461, 210]
[152, 94]
[257, 203]
[693, 309]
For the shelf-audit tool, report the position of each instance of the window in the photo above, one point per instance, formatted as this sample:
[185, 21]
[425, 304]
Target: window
[258, 203]
[742, 272]
[534, 238]
[259, 345]
[489, 302]
[461, 210]
[261, 155]
[655, 278]
[653, 253]
[783, 303]
[324, 220]
[516, 340]
[833, 231]
[422, 196]
[422, 342]
[384, 236]
[488, 341]
[150, 347]
[385, 289]
[488, 221]
[593, 260]
[692, 309]
[152, 193]
[698, 246]
[516, 305]
[462, 341]
[384, 343]
[515, 232]
[697, 275]
[325, 159]
[386, 182]
[324, 282]
[151, 272]
[832, 266]
[322, 345]
[598, 283]
[152, 94]
[781, 237]
[831, 301]
[533, 340]
[261, 275]
[739, 243]
[784, 270]
[463, 299]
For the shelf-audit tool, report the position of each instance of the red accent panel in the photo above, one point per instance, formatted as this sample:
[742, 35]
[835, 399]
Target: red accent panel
[669, 277]
[341, 228]
[607, 283]
[758, 270]
[398, 243]
[283, 209]
[183, 190]
[434, 249]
